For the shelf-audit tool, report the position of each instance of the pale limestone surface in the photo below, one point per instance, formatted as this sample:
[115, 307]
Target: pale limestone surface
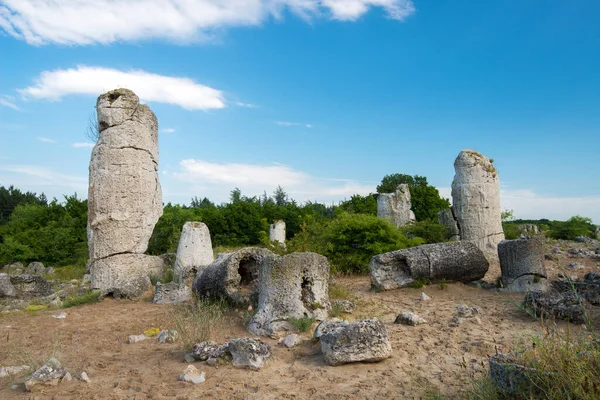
[277, 232]
[194, 252]
[395, 207]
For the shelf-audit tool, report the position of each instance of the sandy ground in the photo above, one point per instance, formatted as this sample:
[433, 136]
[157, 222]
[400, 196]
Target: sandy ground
[93, 339]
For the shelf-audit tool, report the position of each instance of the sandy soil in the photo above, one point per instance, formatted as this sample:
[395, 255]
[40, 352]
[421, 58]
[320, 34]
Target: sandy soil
[92, 339]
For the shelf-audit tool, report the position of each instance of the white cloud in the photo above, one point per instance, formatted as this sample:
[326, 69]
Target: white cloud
[83, 145]
[286, 123]
[40, 178]
[83, 22]
[8, 101]
[168, 130]
[215, 181]
[528, 204]
[46, 140]
[247, 105]
[184, 92]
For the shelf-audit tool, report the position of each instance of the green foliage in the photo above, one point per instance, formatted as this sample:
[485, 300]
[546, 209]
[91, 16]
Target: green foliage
[507, 215]
[350, 240]
[419, 283]
[360, 204]
[198, 322]
[302, 324]
[88, 297]
[567, 230]
[11, 197]
[426, 199]
[166, 277]
[511, 230]
[53, 233]
[67, 273]
[429, 231]
[336, 310]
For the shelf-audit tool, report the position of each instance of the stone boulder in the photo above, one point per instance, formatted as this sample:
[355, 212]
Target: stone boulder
[251, 353]
[49, 374]
[447, 218]
[588, 290]
[124, 199]
[277, 232]
[30, 286]
[171, 293]
[36, 268]
[365, 341]
[293, 286]
[476, 202]
[233, 276]
[409, 318]
[449, 261]
[510, 377]
[6, 287]
[522, 264]
[194, 252]
[13, 269]
[395, 207]
[560, 305]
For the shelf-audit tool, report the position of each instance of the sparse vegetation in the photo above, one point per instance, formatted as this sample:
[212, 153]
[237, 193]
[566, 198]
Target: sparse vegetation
[198, 321]
[336, 310]
[67, 273]
[88, 297]
[443, 285]
[36, 307]
[419, 283]
[302, 324]
[166, 277]
[339, 292]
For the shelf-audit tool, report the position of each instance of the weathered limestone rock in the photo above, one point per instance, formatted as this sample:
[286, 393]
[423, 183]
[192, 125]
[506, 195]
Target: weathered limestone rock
[233, 276]
[529, 229]
[293, 286]
[249, 353]
[522, 264]
[205, 350]
[395, 207]
[167, 336]
[36, 268]
[291, 340]
[511, 378]
[125, 275]
[193, 375]
[565, 305]
[13, 370]
[6, 287]
[277, 232]
[324, 325]
[476, 202]
[194, 252]
[589, 289]
[446, 218]
[409, 318]
[13, 269]
[365, 340]
[449, 261]
[124, 199]
[171, 293]
[49, 374]
[343, 305]
[29, 286]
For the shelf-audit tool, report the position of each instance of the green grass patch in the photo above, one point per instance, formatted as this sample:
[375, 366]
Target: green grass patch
[302, 324]
[67, 273]
[339, 292]
[36, 307]
[88, 297]
[166, 277]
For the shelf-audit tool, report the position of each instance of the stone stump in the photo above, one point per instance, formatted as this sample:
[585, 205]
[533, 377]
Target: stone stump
[395, 207]
[277, 232]
[522, 264]
[194, 252]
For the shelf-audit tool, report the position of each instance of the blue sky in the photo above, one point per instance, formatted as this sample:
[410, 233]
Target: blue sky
[323, 97]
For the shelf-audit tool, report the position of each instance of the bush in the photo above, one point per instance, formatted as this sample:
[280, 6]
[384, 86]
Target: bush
[351, 240]
[429, 231]
[302, 324]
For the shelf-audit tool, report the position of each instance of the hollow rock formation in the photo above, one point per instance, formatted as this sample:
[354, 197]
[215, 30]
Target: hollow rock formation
[522, 264]
[449, 261]
[124, 199]
[194, 252]
[395, 207]
[476, 202]
[233, 276]
[293, 286]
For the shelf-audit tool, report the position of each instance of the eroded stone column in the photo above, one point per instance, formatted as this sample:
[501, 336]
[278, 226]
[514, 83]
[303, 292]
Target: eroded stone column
[395, 207]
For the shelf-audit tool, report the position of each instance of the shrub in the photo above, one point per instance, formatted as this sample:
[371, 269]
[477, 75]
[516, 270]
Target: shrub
[88, 297]
[429, 231]
[67, 273]
[302, 324]
[166, 277]
[197, 322]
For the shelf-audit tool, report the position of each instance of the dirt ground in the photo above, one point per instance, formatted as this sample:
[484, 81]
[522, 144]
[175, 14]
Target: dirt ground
[433, 356]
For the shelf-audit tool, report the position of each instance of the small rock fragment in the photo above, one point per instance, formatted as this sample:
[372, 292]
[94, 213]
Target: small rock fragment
[49, 374]
[424, 297]
[167, 336]
[136, 338]
[67, 378]
[409, 318]
[189, 357]
[213, 362]
[61, 315]
[84, 377]
[292, 340]
[193, 375]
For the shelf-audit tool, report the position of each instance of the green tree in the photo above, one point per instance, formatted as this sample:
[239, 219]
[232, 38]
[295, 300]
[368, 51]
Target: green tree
[280, 196]
[426, 199]
[360, 204]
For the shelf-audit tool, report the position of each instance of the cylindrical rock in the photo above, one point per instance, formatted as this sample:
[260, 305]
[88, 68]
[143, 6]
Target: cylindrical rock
[522, 264]
[395, 207]
[194, 251]
[277, 232]
[449, 261]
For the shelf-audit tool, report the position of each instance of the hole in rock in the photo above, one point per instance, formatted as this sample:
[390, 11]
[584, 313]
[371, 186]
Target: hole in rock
[248, 271]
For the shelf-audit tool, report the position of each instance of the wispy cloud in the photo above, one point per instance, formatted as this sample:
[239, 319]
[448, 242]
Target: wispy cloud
[286, 123]
[84, 22]
[527, 204]
[168, 130]
[183, 92]
[40, 178]
[247, 105]
[83, 145]
[46, 140]
[9, 101]
[216, 180]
